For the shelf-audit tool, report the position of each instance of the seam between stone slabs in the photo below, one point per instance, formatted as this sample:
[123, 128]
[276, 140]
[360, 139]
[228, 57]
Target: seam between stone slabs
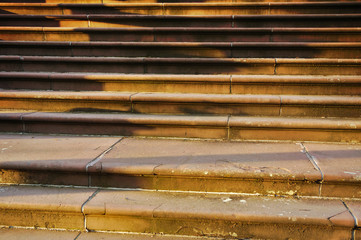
[280, 111]
[230, 83]
[131, 101]
[83, 205]
[23, 122]
[71, 49]
[77, 236]
[51, 81]
[99, 157]
[275, 67]
[354, 218]
[315, 165]
[228, 127]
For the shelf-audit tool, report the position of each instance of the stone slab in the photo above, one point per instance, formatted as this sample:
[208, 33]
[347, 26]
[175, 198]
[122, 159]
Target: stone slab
[59, 160]
[339, 163]
[43, 207]
[55, 153]
[217, 215]
[32, 234]
[210, 166]
[36, 234]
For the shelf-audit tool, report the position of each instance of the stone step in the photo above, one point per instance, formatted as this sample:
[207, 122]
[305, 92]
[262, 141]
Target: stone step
[275, 169]
[225, 21]
[207, 215]
[186, 103]
[171, 34]
[194, 126]
[186, 9]
[16, 233]
[167, 1]
[183, 49]
[210, 84]
[149, 65]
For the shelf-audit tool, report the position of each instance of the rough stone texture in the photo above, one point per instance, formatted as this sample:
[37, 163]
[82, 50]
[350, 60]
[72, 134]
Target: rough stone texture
[36, 234]
[218, 215]
[339, 163]
[23, 155]
[58, 208]
[32, 234]
[209, 166]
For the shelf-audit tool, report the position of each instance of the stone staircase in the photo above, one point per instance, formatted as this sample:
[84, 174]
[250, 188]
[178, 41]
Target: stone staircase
[251, 113]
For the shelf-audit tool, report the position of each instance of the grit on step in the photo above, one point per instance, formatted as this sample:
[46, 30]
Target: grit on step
[212, 84]
[182, 49]
[181, 8]
[176, 103]
[177, 213]
[286, 169]
[45, 234]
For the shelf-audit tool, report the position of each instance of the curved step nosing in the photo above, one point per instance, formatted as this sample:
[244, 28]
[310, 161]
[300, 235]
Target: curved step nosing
[215, 121]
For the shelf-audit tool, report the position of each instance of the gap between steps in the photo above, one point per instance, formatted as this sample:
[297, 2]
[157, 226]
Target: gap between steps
[313, 160]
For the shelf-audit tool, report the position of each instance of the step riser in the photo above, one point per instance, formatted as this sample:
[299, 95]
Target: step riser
[183, 22]
[145, 223]
[165, 51]
[85, 35]
[91, 127]
[168, 9]
[182, 67]
[222, 84]
[180, 183]
[158, 1]
[169, 107]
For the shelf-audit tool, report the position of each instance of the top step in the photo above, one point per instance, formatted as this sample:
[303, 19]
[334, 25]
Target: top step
[169, 1]
[177, 8]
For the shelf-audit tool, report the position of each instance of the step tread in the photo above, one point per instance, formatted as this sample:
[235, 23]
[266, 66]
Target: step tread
[192, 120]
[282, 161]
[201, 60]
[241, 165]
[42, 234]
[103, 44]
[238, 4]
[167, 210]
[175, 17]
[186, 29]
[186, 77]
[182, 97]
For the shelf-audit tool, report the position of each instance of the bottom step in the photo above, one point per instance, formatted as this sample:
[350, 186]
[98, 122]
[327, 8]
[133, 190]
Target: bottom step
[210, 215]
[43, 234]
[195, 126]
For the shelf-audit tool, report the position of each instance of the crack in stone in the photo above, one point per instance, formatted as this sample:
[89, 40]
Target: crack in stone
[153, 172]
[329, 218]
